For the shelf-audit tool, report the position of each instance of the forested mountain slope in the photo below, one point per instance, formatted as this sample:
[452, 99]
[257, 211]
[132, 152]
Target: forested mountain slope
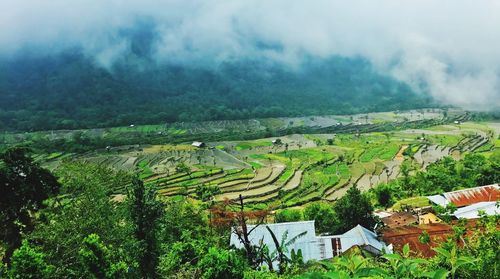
[69, 90]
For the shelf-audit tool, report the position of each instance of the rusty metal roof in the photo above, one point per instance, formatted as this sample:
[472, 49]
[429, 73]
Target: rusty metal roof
[400, 236]
[470, 196]
[438, 233]
[473, 195]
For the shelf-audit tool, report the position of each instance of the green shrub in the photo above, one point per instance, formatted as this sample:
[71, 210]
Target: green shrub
[288, 215]
[221, 264]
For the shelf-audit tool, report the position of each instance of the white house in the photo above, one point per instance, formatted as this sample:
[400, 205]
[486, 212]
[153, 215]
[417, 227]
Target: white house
[314, 247]
[198, 144]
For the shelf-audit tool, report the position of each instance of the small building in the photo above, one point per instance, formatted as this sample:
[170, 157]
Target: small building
[309, 244]
[277, 141]
[198, 144]
[313, 247]
[428, 218]
[399, 219]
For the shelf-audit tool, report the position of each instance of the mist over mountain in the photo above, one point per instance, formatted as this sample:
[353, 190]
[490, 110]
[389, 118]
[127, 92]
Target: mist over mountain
[70, 91]
[68, 64]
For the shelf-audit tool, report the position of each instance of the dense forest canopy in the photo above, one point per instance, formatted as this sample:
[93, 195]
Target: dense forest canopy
[70, 90]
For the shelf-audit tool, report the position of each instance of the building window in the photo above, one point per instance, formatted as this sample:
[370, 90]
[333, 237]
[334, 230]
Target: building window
[336, 247]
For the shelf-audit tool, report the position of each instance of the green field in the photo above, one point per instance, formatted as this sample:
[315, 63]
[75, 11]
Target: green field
[311, 167]
[254, 144]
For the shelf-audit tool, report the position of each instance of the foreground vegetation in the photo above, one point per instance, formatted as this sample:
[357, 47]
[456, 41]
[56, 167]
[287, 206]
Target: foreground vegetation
[69, 225]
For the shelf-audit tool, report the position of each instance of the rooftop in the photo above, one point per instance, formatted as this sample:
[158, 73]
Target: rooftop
[428, 218]
[469, 196]
[399, 219]
[198, 144]
[400, 236]
[472, 211]
[438, 233]
[361, 236]
[312, 246]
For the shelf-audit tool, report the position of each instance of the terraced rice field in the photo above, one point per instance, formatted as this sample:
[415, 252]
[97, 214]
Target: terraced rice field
[308, 169]
[302, 169]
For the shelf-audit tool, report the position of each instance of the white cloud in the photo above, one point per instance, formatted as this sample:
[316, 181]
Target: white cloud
[450, 46]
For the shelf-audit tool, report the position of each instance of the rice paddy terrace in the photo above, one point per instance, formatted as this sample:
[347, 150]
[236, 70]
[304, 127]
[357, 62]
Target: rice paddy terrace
[294, 169]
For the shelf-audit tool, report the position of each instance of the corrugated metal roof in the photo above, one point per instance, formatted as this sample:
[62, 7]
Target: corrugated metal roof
[439, 200]
[308, 243]
[361, 236]
[473, 195]
[468, 196]
[400, 236]
[438, 233]
[313, 247]
[472, 211]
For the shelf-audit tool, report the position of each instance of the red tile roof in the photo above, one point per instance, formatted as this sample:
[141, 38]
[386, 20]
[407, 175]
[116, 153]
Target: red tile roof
[473, 195]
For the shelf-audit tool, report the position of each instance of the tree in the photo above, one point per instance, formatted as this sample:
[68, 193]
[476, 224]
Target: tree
[182, 216]
[24, 187]
[183, 168]
[442, 175]
[98, 259]
[206, 192]
[323, 215]
[472, 168]
[405, 171]
[383, 193]
[183, 254]
[145, 212]
[482, 244]
[87, 208]
[185, 238]
[352, 209]
[27, 262]
[224, 216]
[491, 173]
[288, 215]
